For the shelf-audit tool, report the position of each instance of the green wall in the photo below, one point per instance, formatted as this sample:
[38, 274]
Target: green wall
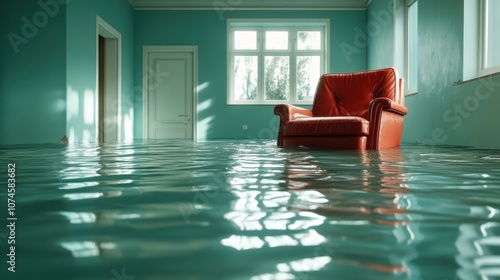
[463, 114]
[379, 34]
[442, 113]
[32, 72]
[47, 64]
[81, 64]
[208, 31]
[48, 68]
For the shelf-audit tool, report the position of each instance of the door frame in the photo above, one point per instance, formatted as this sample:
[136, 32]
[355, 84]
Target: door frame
[113, 72]
[147, 50]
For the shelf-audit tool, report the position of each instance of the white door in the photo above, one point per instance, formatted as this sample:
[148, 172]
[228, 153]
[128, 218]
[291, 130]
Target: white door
[170, 90]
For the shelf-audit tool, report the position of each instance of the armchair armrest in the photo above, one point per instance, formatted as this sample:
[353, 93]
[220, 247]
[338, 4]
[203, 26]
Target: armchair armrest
[386, 123]
[385, 104]
[287, 113]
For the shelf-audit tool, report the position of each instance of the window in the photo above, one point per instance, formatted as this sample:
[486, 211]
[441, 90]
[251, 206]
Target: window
[481, 55]
[406, 43]
[490, 37]
[412, 46]
[271, 62]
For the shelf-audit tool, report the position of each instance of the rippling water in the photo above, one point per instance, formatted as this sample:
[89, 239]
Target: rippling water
[249, 210]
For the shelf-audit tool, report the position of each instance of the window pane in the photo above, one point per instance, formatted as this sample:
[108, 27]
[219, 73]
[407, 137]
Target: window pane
[309, 40]
[277, 77]
[493, 35]
[277, 40]
[245, 40]
[413, 46]
[308, 73]
[245, 77]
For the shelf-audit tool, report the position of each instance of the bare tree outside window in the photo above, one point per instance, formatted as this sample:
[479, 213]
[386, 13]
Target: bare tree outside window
[277, 77]
[245, 72]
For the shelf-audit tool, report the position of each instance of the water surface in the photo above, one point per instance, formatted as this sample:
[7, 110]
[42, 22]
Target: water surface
[249, 210]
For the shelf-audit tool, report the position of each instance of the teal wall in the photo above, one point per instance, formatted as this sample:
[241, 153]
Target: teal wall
[32, 72]
[45, 74]
[442, 113]
[380, 34]
[48, 68]
[208, 31]
[465, 114]
[81, 64]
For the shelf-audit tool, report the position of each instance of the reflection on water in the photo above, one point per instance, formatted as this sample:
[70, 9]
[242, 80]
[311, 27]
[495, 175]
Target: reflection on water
[249, 210]
[366, 189]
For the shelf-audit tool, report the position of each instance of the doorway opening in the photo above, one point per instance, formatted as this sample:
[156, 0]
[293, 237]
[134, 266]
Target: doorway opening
[108, 128]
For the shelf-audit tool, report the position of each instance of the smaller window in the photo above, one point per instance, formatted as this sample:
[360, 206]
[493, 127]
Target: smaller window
[412, 46]
[490, 30]
[276, 40]
[406, 43]
[245, 40]
[309, 40]
[481, 56]
[245, 73]
[308, 74]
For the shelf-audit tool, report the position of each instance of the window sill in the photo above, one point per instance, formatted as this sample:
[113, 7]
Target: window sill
[459, 82]
[267, 103]
[412, 91]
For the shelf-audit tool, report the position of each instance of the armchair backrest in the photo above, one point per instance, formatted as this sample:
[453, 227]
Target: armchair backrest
[350, 94]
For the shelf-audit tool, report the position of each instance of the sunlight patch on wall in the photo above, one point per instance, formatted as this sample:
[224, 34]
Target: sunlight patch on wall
[71, 135]
[128, 125]
[59, 104]
[88, 107]
[87, 137]
[204, 126]
[205, 123]
[203, 86]
[72, 104]
[205, 105]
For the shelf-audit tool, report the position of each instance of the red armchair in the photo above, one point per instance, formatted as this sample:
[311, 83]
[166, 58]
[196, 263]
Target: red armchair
[361, 110]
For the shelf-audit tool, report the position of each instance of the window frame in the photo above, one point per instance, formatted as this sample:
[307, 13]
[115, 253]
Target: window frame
[402, 46]
[409, 49]
[483, 41]
[474, 41]
[292, 26]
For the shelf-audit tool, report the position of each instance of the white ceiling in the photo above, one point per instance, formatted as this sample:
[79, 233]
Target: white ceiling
[249, 4]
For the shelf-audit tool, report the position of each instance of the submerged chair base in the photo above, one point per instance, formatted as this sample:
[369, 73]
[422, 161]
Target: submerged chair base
[327, 142]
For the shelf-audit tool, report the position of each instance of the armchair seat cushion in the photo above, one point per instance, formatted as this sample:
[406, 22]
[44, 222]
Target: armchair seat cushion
[327, 126]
